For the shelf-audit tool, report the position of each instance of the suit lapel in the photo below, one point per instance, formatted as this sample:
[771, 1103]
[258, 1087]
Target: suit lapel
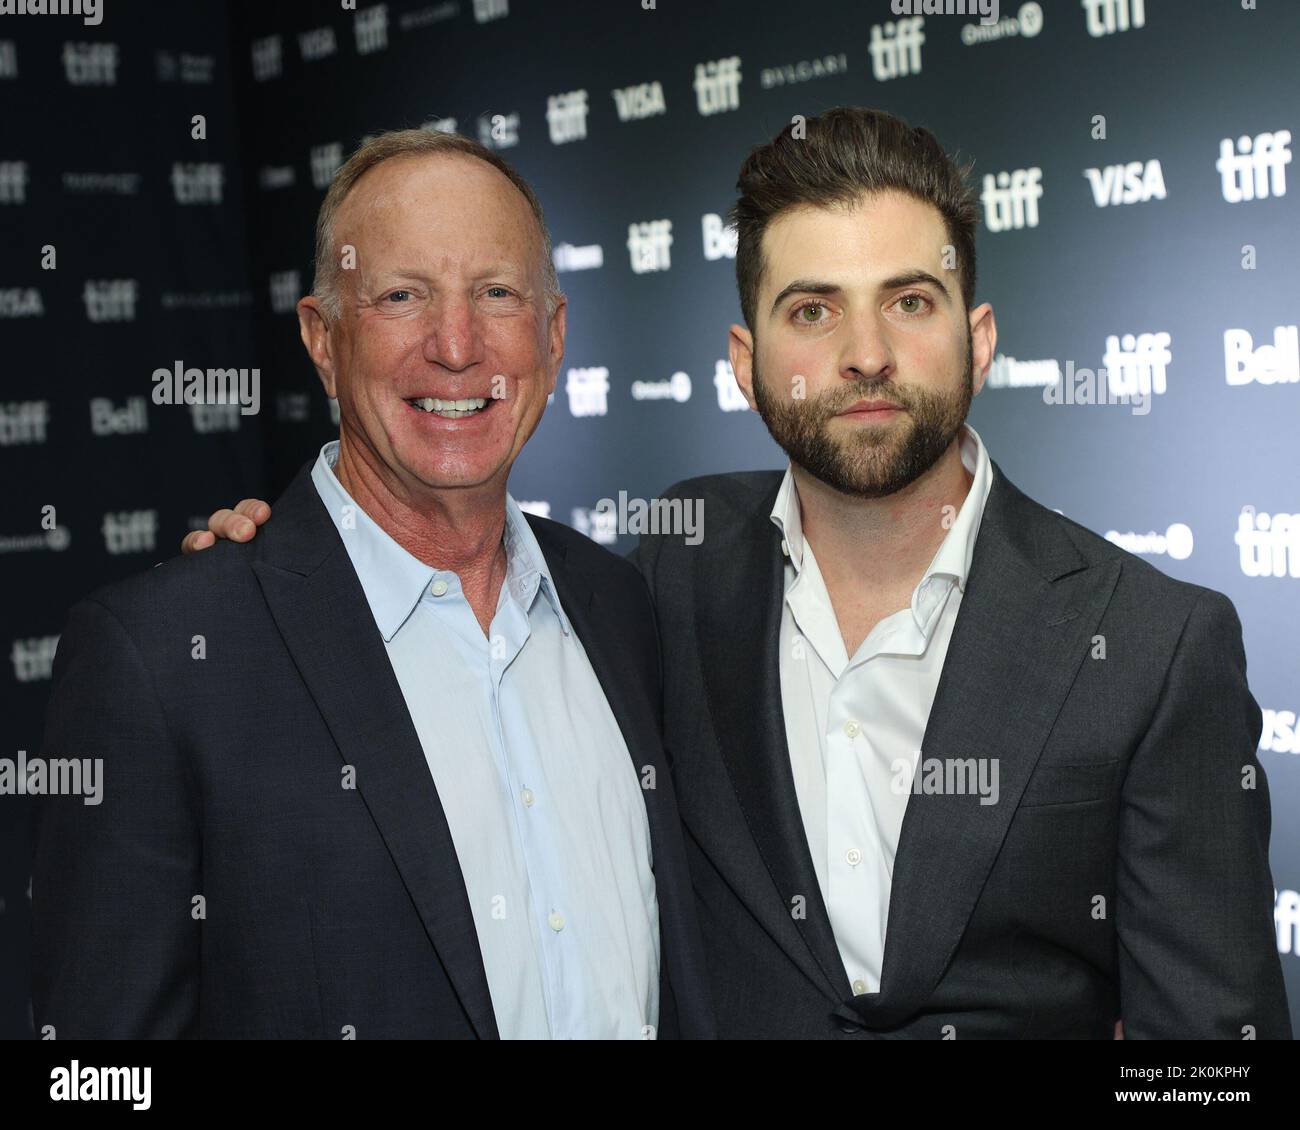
[321, 611]
[1025, 626]
[741, 593]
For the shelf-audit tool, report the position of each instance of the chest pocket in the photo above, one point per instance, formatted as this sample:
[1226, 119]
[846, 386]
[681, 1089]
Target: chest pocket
[1069, 784]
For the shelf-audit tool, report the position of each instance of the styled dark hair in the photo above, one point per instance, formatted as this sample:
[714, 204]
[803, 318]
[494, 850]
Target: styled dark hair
[833, 159]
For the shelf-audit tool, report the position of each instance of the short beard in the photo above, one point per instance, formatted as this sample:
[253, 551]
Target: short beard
[873, 461]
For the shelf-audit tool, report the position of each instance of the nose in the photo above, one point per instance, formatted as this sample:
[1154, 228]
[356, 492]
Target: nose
[453, 336]
[866, 352]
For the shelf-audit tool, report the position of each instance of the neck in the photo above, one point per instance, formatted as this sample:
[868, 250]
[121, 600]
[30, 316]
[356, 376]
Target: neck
[882, 545]
[458, 530]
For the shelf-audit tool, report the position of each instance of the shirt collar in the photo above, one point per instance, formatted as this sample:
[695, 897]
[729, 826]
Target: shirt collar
[394, 580]
[952, 560]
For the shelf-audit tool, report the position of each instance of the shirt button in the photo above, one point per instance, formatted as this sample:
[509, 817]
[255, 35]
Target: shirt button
[851, 728]
[853, 857]
[785, 547]
[555, 920]
[438, 588]
[527, 797]
[859, 987]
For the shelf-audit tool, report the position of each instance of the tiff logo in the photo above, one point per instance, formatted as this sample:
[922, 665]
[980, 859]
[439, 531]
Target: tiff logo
[730, 398]
[13, 182]
[1136, 363]
[318, 43]
[588, 391]
[33, 659]
[895, 48]
[370, 26]
[268, 57]
[1269, 543]
[485, 10]
[648, 244]
[130, 531]
[1106, 17]
[110, 300]
[566, 116]
[1258, 165]
[23, 421]
[286, 287]
[1010, 199]
[717, 85]
[325, 162]
[199, 183]
[90, 64]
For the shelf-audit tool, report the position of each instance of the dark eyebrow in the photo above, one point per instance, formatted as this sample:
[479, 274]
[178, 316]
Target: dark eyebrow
[912, 278]
[804, 286]
[897, 282]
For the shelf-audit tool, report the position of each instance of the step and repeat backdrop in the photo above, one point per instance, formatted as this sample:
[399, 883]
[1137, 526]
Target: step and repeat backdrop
[161, 166]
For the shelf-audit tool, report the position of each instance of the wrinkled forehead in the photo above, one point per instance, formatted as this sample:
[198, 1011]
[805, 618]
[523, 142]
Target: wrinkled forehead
[444, 205]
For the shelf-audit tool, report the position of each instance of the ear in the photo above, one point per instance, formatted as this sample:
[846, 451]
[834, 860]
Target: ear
[555, 333]
[984, 341]
[313, 328]
[740, 349]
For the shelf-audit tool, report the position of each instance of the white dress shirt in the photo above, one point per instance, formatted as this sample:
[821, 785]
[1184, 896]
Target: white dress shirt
[544, 805]
[854, 725]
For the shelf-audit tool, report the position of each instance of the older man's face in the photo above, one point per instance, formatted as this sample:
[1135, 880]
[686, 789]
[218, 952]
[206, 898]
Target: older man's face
[446, 304]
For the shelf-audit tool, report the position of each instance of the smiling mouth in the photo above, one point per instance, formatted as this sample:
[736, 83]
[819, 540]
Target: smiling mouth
[449, 409]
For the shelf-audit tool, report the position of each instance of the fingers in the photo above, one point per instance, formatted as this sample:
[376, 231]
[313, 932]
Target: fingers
[238, 524]
[196, 540]
[241, 523]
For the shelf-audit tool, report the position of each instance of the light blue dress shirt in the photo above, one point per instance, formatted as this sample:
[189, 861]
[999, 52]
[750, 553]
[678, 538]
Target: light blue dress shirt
[543, 802]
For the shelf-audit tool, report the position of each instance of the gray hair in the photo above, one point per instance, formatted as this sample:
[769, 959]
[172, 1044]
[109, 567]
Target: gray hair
[411, 143]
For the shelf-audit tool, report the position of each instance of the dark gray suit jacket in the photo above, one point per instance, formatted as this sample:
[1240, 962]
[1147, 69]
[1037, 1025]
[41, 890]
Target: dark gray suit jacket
[1124, 872]
[323, 907]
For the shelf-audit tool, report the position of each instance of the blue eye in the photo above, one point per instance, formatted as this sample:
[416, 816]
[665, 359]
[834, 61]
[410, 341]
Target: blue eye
[504, 292]
[397, 292]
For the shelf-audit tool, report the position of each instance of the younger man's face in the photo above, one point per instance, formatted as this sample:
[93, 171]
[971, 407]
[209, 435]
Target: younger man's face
[856, 311]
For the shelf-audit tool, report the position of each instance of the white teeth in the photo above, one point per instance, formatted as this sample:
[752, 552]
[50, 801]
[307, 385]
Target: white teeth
[450, 409]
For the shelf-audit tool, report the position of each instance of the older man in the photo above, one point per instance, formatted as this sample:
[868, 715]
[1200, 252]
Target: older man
[442, 808]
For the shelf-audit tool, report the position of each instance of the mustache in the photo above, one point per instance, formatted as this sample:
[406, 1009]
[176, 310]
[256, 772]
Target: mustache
[835, 400]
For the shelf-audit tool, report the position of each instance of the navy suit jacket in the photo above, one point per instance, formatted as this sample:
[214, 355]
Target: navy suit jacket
[1123, 872]
[228, 885]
